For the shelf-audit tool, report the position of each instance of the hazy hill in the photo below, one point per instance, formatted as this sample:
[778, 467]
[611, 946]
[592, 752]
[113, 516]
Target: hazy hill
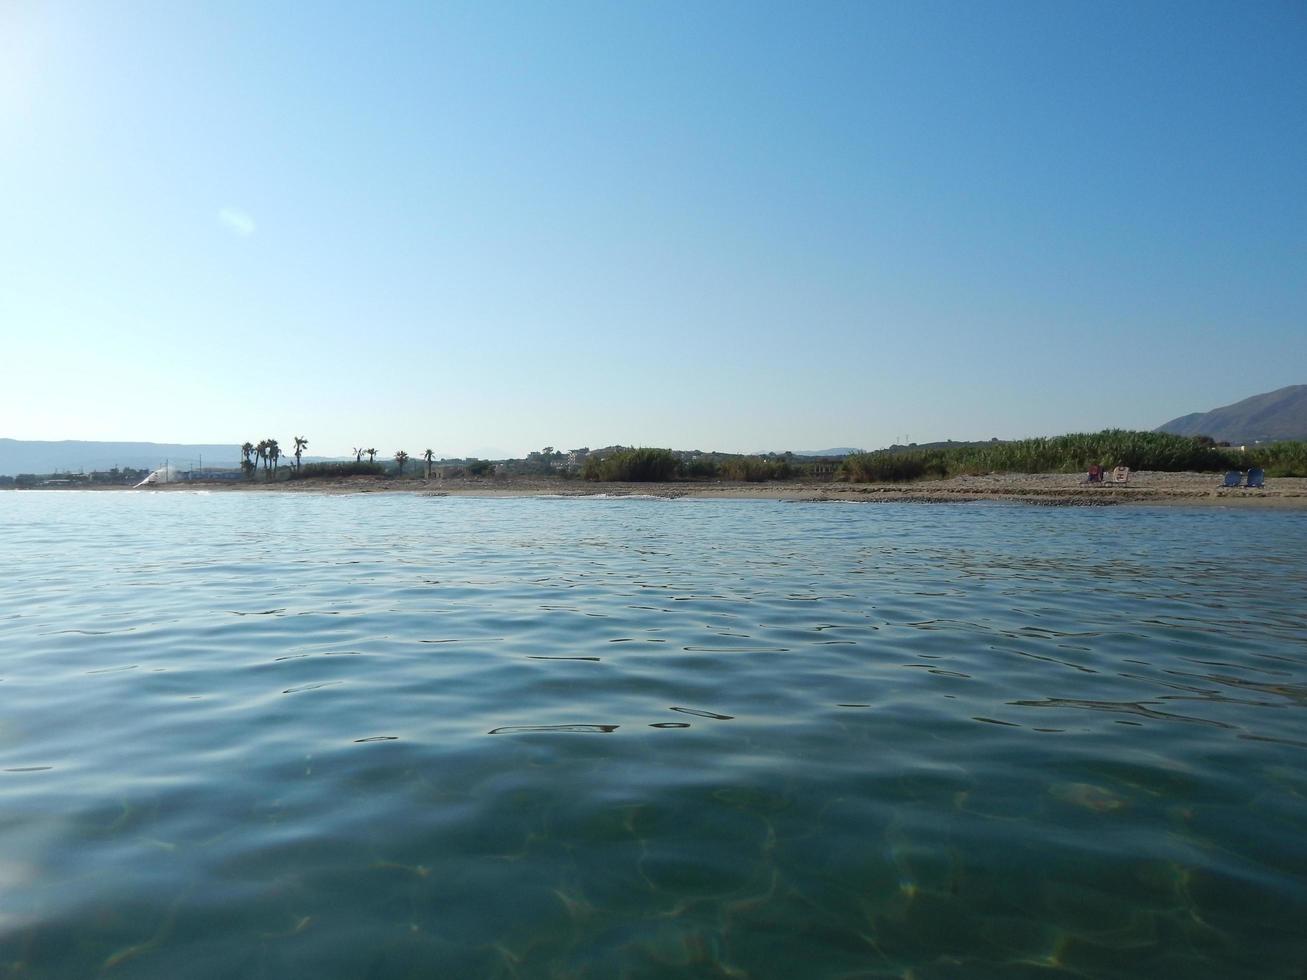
[1275, 415]
[841, 451]
[20, 456]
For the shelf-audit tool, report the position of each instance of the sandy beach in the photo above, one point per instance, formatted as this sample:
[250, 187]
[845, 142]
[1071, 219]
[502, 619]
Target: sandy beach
[1044, 489]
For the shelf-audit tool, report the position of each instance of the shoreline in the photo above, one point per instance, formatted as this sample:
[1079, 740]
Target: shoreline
[1041, 489]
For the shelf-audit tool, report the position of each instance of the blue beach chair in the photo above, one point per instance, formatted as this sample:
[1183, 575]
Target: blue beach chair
[1256, 478]
[1232, 478]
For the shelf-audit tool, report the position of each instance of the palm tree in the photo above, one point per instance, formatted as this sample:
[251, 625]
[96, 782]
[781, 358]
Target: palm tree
[300, 445]
[427, 456]
[274, 453]
[372, 455]
[401, 458]
[247, 459]
[358, 454]
[261, 450]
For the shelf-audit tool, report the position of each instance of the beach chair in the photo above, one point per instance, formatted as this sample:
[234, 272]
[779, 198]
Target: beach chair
[1256, 478]
[1232, 478]
[1121, 474]
[1095, 474]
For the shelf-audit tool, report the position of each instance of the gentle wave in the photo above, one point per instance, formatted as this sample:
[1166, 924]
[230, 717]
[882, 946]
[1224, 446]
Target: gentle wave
[282, 734]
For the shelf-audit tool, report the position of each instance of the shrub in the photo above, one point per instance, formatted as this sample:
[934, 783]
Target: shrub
[480, 467]
[701, 468]
[882, 467]
[754, 469]
[1055, 454]
[1278, 458]
[633, 466]
[311, 471]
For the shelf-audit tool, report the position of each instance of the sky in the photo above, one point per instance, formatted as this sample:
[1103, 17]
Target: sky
[490, 227]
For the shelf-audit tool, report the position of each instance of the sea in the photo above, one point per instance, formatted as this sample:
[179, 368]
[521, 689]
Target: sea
[299, 735]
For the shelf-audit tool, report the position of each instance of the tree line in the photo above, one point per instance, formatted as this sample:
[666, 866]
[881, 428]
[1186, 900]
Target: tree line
[266, 455]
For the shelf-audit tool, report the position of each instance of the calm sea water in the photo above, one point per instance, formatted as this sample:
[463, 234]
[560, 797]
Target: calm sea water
[275, 735]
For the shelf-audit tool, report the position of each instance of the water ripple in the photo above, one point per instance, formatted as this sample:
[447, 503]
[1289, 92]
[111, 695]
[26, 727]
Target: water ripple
[977, 740]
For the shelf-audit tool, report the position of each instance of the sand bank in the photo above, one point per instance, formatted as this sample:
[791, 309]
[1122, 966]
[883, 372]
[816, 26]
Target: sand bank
[1047, 489]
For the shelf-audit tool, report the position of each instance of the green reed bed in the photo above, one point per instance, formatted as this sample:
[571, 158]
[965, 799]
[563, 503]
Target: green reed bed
[754, 469]
[643, 465]
[1279, 458]
[1159, 451]
[310, 471]
[647, 465]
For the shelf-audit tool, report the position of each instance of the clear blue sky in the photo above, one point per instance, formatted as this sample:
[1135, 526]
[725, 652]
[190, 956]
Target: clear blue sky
[732, 226]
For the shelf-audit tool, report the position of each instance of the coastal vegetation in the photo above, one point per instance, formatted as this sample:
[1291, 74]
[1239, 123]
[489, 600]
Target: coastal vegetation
[1154, 451]
[699, 468]
[754, 469]
[648, 465]
[268, 452]
[1280, 458]
[310, 471]
[1159, 451]
[643, 465]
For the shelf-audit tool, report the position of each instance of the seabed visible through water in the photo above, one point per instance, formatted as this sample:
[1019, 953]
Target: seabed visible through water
[268, 735]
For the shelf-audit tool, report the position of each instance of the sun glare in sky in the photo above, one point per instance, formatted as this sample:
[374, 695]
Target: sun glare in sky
[717, 226]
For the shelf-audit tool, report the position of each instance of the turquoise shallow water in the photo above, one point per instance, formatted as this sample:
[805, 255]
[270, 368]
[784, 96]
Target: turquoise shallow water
[269, 735]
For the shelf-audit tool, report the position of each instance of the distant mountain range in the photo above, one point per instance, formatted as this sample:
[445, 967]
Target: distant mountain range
[846, 451]
[1270, 417]
[842, 451]
[81, 456]
[21, 456]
